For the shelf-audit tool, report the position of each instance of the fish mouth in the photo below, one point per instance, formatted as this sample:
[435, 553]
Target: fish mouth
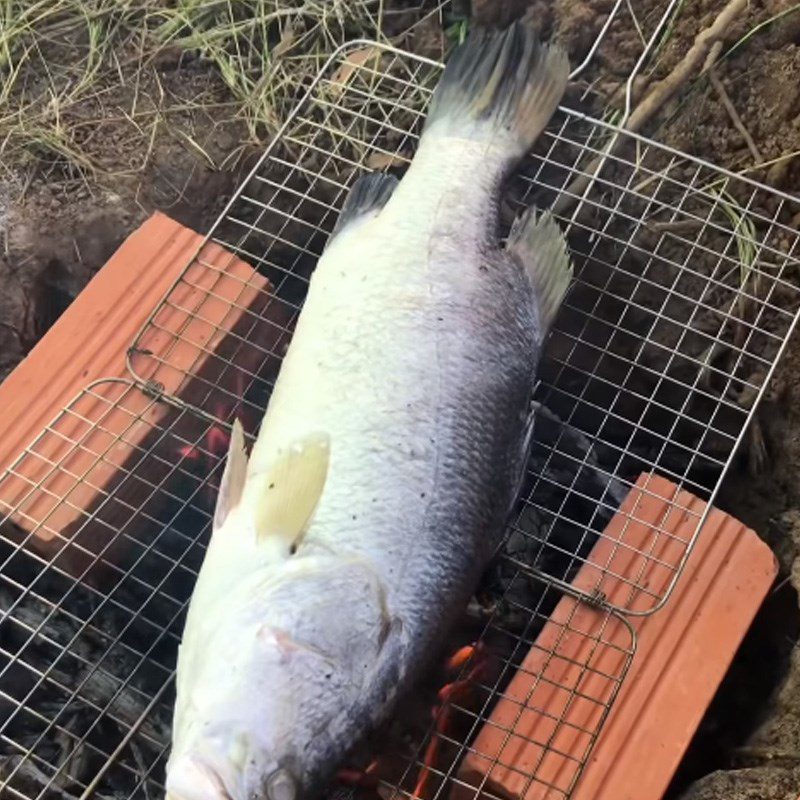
[194, 780]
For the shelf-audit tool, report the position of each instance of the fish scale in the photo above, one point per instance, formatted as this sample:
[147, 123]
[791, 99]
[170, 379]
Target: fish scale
[390, 453]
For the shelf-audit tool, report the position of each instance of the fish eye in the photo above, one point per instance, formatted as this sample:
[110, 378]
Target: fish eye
[281, 786]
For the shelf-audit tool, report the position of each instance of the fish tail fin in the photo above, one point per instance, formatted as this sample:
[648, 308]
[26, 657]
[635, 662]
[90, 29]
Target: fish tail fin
[499, 84]
[540, 247]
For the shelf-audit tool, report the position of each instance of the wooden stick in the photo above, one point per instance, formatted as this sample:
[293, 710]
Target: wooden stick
[734, 115]
[708, 68]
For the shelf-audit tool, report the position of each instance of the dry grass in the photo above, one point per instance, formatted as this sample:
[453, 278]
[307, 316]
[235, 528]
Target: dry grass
[75, 74]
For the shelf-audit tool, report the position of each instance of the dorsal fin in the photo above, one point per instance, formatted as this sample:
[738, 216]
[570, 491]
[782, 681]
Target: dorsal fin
[288, 493]
[368, 195]
[233, 476]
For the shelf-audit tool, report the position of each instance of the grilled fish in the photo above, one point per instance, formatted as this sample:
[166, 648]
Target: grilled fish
[391, 451]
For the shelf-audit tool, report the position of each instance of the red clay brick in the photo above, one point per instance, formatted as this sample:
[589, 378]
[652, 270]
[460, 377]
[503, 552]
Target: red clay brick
[90, 341]
[683, 651]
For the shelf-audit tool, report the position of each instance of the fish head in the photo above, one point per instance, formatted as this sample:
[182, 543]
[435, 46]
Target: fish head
[235, 737]
[250, 774]
[271, 678]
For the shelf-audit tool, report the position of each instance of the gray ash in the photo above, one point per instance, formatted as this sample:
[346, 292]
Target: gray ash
[71, 692]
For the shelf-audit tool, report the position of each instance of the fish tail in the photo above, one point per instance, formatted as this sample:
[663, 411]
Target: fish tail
[538, 244]
[499, 86]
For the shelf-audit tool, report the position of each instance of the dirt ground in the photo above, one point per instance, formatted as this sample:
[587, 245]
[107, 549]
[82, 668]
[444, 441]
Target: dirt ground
[56, 230]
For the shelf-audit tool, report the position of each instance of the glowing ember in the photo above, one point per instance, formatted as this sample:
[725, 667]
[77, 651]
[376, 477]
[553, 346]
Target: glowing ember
[471, 662]
[187, 451]
[366, 779]
[214, 443]
[457, 691]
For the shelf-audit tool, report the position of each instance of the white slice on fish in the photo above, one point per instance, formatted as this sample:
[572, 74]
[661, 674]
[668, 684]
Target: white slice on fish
[286, 495]
[391, 451]
[282, 498]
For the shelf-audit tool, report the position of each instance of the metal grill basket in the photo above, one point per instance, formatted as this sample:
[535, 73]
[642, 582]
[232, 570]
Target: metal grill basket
[683, 301]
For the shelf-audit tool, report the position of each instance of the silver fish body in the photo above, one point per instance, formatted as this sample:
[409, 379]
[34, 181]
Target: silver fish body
[414, 356]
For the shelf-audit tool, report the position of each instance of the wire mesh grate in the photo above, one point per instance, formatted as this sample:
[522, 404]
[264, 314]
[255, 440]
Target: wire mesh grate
[682, 303]
[683, 300]
[105, 519]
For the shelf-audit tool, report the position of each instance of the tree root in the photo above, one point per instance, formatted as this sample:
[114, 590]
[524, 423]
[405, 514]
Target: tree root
[659, 94]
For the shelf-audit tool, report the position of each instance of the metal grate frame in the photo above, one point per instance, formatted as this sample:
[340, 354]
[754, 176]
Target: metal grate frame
[683, 301]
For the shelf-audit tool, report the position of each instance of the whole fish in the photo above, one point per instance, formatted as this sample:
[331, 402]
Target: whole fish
[391, 451]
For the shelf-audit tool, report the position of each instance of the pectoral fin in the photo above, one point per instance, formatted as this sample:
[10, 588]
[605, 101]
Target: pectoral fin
[291, 490]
